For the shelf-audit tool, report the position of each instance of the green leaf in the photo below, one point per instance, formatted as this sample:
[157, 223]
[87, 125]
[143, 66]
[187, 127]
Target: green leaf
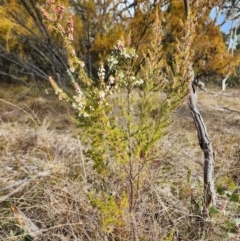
[232, 185]
[237, 221]
[220, 190]
[230, 225]
[213, 210]
[234, 197]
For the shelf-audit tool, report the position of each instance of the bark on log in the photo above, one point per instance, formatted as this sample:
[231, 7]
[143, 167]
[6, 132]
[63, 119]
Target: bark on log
[209, 157]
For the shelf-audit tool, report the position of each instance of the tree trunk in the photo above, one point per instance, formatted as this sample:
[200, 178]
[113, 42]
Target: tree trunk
[224, 85]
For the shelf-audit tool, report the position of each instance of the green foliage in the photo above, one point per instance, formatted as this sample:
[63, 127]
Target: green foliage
[112, 210]
[230, 195]
[213, 210]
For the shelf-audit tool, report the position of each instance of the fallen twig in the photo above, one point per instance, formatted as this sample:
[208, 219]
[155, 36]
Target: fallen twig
[226, 108]
[22, 184]
[15, 184]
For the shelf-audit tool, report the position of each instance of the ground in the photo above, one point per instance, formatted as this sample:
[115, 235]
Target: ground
[44, 174]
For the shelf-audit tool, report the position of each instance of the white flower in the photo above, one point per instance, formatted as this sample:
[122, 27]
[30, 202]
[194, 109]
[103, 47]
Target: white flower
[81, 63]
[112, 62]
[129, 53]
[85, 115]
[80, 102]
[111, 80]
[101, 72]
[101, 95]
[72, 69]
[74, 105]
[138, 82]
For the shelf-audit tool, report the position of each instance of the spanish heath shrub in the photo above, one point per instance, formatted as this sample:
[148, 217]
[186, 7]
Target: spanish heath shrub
[122, 118]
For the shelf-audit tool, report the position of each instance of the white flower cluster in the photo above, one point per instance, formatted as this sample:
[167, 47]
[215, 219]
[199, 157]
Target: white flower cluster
[112, 62]
[120, 52]
[118, 59]
[74, 63]
[129, 53]
[121, 76]
[126, 52]
[138, 82]
[135, 83]
[101, 96]
[101, 73]
[80, 104]
[111, 80]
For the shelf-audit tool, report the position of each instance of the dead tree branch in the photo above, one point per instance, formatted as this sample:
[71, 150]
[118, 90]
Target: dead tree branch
[204, 142]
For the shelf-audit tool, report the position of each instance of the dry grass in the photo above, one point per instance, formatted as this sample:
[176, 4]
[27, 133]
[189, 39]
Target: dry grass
[58, 204]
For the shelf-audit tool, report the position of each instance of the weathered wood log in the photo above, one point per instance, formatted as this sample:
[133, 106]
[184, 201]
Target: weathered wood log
[209, 157]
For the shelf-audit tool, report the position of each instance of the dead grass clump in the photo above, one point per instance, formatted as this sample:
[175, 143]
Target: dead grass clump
[169, 204]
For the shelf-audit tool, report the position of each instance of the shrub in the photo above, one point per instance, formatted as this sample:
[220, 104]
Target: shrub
[122, 118]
